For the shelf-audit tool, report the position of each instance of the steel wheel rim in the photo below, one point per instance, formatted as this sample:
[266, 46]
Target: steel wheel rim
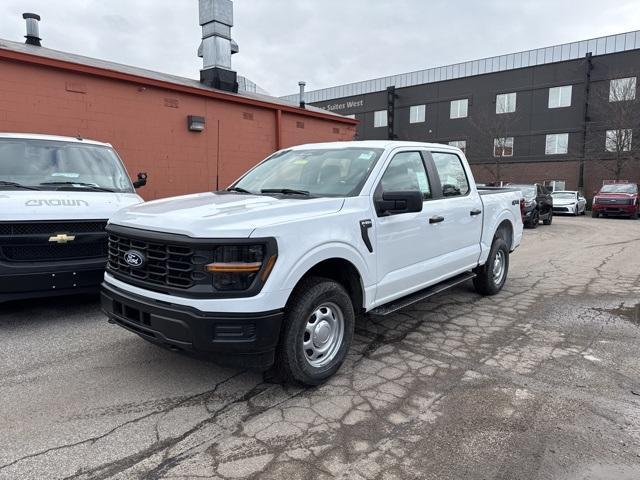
[498, 267]
[323, 334]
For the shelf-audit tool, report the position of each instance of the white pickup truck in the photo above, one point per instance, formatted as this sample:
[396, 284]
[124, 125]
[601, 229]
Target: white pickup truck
[274, 270]
[56, 194]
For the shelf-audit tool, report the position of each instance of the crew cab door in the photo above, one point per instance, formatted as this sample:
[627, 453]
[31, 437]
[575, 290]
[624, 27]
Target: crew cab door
[460, 206]
[404, 241]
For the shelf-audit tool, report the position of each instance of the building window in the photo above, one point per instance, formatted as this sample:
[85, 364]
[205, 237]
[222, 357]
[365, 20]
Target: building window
[380, 118]
[557, 144]
[560, 96]
[461, 144]
[417, 113]
[618, 140]
[621, 89]
[503, 147]
[506, 103]
[459, 108]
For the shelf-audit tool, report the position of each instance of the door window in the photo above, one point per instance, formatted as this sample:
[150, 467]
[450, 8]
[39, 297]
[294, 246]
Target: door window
[453, 178]
[405, 173]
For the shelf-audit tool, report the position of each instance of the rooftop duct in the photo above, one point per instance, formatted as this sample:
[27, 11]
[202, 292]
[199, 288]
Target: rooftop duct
[216, 20]
[33, 30]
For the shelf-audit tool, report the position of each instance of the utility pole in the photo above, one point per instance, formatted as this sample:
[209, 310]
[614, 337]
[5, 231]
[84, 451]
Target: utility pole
[586, 119]
[391, 108]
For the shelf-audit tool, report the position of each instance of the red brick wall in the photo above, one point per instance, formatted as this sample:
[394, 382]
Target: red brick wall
[148, 125]
[595, 172]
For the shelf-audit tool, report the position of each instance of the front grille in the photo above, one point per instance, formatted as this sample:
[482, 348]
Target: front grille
[46, 228]
[29, 241]
[614, 201]
[165, 264]
[30, 253]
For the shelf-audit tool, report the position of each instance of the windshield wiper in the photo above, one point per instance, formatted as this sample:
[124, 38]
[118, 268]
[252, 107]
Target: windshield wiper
[4, 183]
[238, 189]
[79, 184]
[285, 191]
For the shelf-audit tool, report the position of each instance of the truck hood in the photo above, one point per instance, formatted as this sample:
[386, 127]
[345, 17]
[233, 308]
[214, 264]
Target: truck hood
[34, 205]
[222, 215]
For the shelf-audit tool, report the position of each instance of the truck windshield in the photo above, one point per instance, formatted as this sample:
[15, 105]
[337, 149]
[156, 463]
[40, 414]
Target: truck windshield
[620, 188]
[56, 165]
[528, 191]
[336, 172]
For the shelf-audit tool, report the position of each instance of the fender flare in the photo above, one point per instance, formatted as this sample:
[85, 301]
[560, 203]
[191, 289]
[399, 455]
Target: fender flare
[328, 251]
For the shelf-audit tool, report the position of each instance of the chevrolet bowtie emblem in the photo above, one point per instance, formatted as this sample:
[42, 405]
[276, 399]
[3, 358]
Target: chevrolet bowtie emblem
[62, 238]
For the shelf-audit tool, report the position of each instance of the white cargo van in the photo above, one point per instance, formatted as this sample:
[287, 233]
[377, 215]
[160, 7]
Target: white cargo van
[56, 194]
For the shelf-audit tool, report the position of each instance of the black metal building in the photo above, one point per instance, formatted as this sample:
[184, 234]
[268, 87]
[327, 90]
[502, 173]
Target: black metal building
[568, 113]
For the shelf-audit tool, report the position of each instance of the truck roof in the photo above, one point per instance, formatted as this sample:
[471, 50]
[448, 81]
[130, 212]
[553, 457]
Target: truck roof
[374, 144]
[53, 138]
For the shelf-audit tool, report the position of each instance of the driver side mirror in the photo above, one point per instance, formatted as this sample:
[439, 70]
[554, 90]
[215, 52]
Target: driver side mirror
[142, 180]
[394, 203]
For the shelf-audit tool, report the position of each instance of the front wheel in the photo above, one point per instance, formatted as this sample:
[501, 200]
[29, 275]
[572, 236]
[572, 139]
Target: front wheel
[491, 277]
[548, 220]
[317, 331]
[594, 214]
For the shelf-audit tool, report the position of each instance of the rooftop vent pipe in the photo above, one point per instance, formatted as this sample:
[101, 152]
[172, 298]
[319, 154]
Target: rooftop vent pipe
[33, 30]
[216, 20]
[302, 99]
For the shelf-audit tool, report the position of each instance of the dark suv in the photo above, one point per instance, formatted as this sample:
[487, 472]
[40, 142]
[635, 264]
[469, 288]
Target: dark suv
[538, 204]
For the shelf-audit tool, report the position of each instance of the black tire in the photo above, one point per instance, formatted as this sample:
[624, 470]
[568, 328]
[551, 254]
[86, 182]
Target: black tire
[535, 220]
[548, 220]
[577, 212]
[594, 214]
[291, 359]
[485, 282]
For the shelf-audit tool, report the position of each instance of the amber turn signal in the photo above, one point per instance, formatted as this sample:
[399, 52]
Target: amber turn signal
[234, 267]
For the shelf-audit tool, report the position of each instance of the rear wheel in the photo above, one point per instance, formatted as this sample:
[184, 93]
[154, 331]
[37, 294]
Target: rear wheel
[491, 276]
[317, 332]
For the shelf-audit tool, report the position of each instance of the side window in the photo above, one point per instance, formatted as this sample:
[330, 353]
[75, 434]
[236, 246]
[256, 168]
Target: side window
[453, 178]
[406, 173]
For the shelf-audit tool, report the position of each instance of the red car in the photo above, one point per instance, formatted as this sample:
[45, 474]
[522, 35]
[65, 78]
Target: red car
[616, 199]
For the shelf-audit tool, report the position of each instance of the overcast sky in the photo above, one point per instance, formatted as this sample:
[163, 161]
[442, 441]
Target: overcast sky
[325, 42]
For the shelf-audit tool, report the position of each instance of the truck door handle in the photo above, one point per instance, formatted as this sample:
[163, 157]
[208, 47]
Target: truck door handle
[475, 211]
[436, 219]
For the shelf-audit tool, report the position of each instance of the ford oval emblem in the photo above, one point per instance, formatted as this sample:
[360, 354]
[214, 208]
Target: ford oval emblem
[134, 258]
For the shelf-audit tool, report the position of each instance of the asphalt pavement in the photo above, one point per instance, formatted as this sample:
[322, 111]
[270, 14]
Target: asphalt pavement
[539, 382]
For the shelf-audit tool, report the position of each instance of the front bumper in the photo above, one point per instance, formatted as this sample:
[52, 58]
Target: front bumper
[564, 208]
[46, 279]
[614, 209]
[239, 339]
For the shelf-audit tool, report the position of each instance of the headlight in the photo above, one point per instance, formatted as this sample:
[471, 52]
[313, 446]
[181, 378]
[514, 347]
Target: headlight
[236, 267]
[530, 203]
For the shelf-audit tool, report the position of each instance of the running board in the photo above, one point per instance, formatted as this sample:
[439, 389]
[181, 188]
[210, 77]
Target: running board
[420, 295]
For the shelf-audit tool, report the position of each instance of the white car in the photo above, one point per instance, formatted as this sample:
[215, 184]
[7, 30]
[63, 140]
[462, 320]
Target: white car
[56, 194]
[275, 268]
[569, 202]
